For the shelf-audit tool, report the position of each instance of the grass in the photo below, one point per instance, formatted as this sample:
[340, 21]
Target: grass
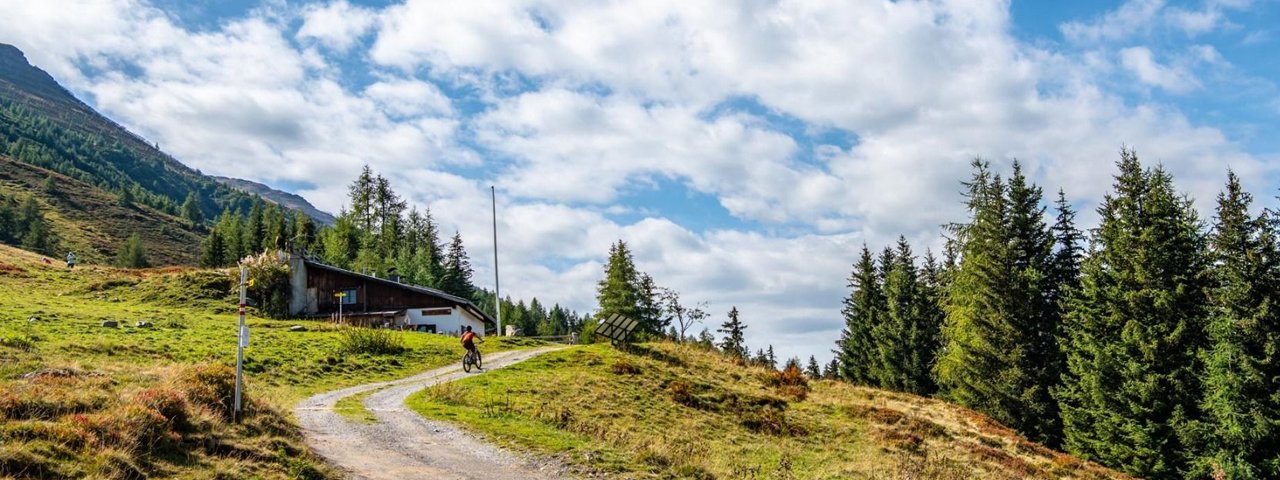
[352, 408]
[669, 411]
[50, 321]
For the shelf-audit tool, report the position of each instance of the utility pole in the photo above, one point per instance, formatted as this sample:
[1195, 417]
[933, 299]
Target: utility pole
[497, 291]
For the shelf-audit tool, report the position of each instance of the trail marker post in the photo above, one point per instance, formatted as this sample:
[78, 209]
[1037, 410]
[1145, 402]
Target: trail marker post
[340, 296]
[242, 341]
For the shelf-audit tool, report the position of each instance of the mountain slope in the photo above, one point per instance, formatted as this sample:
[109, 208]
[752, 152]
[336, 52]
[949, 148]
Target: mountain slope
[91, 222]
[672, 411]
[282, 198]
[43, 125]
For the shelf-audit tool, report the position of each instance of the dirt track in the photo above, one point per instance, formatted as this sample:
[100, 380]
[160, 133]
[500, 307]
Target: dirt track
[403, 445]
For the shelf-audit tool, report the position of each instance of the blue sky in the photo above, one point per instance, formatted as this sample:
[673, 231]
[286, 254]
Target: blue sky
[746, 150]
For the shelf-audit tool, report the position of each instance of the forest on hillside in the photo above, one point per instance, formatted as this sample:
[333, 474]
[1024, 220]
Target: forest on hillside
[1150, 345]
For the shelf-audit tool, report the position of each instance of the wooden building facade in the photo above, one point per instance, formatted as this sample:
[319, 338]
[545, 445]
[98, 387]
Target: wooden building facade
[317, 290]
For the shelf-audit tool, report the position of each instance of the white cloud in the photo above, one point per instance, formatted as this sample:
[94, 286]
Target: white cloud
[584, 104]
[337, 25]
[1139, 61]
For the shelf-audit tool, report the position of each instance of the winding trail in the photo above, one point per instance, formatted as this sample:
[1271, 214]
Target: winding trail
[403, 445]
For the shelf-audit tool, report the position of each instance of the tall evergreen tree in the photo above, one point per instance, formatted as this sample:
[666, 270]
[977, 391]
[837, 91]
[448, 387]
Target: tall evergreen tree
[617, 292]
[191, 210]
[254, 230]
[812, 370]
[457, 270]
[340, 243]
[1239, 436]
[361, 193]
[36, 235]
[1135, 328]
[1000, 345]
[863, 309]
[214, 253]
[649, 307]
[734, 343]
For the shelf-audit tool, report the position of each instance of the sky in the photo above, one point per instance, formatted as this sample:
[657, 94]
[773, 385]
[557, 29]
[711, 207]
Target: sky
[745, 150]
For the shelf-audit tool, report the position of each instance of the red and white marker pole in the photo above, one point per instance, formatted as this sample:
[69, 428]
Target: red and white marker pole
[241, 342]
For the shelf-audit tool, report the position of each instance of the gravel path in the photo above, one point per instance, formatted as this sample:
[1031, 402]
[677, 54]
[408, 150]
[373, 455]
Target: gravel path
[402, 445]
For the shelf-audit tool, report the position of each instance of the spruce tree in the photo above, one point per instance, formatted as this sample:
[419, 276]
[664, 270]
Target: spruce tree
[36, 235]
[132, 254]
[832, 372]
[734, 343]
[771, 360]
[1135, 328]
[617, 292]
[1239, 436]
[191, 210]
[457, 270]
[254, 231]
[214, 253]
[812, 370]
[1000, 343]
[856, 351]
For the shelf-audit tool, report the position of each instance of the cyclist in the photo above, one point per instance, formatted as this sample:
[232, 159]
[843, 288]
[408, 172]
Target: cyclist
[469, 341]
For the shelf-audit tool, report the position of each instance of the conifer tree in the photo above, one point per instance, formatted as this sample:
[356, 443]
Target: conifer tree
[771, 360]
[1135, 328]
[36, 234]
[1239, 436]
[734, 343]
[214, 253]
[904, 334]
[340, 243]
[832, 372]
[254, 230]
[856, 352]
[457, 270]
[132, 254]
[191, 210]
[812, 370]
[617, 292]
[361, 193]
[1000, 345]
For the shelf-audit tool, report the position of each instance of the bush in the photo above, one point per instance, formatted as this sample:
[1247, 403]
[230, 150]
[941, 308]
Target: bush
[791, 382]
[623, 367]
[209, 385]
[374, 341]
[21, 342]
[270, 283]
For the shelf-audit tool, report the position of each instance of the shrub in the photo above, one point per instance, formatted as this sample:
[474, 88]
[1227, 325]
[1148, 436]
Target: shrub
[209, 385]
[682, 392]
[791, 382]
[623, 367]
[375, 341]
[168, 403]
[270, 283]
[20, 342]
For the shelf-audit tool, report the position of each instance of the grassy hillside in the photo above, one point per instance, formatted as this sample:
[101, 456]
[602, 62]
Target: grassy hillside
[81, 400]
[93, 223]
[670, 411]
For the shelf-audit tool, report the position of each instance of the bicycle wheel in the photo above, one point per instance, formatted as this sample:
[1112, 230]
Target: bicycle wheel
[477, 360]
[466, 363]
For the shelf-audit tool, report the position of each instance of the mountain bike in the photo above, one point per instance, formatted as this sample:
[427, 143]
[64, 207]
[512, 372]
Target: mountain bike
[471, 359]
